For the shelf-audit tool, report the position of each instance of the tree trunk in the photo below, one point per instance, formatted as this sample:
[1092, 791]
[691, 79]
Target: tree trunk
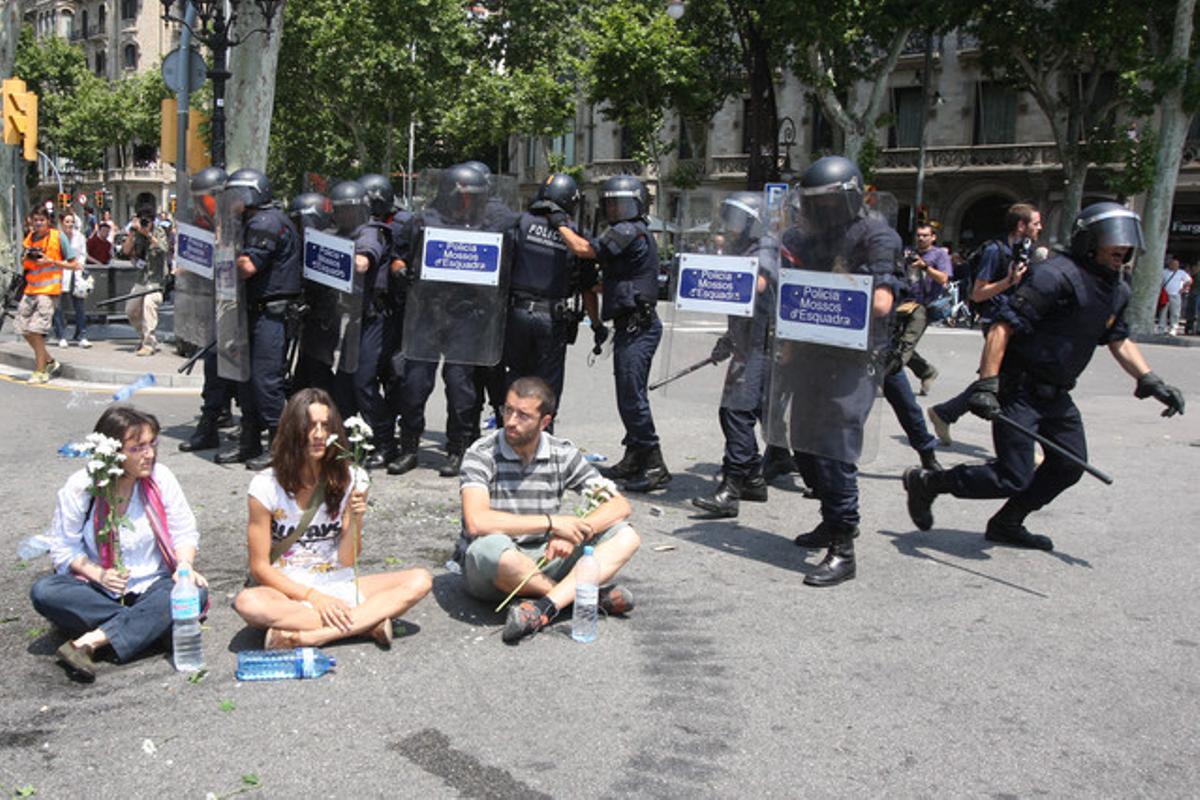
[10, 163]
[1074, 180]
[763, 116]
[1173, 125]
[251, 91]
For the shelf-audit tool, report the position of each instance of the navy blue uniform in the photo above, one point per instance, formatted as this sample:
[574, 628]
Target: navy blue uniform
[628, 257]
[271, 242]
[1060, 314]
[535, 339]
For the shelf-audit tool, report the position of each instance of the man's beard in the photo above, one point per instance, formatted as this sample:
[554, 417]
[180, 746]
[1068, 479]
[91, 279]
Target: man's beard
[515, 439]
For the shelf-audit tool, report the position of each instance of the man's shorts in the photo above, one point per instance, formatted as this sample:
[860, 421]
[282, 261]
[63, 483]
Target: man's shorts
[35, 313]
[482, 560]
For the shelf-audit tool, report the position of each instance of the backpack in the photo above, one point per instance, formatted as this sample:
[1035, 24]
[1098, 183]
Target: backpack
[971, 272]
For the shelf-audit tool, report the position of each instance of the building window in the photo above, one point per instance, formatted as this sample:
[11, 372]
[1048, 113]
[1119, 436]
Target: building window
[627, 144]
[101, 64]
[129, 9]
[530, 154]
[130, 56]
[564, 146]
[822, 131]
[102, 17]
[83, 23]
[995, 114]
[906, 109]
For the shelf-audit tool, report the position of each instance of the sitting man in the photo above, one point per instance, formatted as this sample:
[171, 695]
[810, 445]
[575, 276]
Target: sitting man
[512, 484]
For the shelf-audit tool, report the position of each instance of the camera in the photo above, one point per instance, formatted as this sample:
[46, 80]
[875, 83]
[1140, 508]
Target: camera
[145, 222]
[34, 254]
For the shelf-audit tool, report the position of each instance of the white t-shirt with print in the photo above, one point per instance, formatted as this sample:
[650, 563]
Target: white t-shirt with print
[319, 544]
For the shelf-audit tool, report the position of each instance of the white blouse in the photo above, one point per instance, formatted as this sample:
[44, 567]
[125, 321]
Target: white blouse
[73, 535]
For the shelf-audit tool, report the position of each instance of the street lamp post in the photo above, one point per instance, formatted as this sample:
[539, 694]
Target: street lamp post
[213, 25]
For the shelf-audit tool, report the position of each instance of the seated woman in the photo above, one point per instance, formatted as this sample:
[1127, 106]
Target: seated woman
[88, 597]
[305, 594]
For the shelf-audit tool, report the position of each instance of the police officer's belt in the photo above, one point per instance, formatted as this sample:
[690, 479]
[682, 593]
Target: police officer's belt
[634, 318]
[1037, 388]
[555, 308]
[275, 307]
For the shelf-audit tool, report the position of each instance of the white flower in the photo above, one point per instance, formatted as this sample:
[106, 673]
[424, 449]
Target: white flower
[100, 484]
[355, 437]
[116, 471]
[96, 465]
[368, 447]
[331, 440]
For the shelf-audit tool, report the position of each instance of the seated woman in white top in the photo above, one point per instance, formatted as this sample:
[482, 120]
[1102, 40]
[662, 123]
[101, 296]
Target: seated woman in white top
[88, 597]
[305, 594]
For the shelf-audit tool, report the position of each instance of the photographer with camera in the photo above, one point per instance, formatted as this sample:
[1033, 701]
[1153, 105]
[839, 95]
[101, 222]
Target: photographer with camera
[147, 246]
[928, 271]
[47, 254]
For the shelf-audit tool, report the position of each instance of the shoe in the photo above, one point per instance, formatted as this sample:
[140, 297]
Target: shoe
[380, 457]
[84, 344]
[654, 473]
[724, 501]
[37, 377]
[407, 460]
[820, 536]
[754, 488]
[144, 350]
[77, 661]
[63, 343]
[615, 600]
[452, 466]
[381, 634]
[279, 639]
[1017, 536]
[259, 462]
[940, 426]
[205, 437]
[926, 382]
[245, 452]
[523, 620]
[929, 460]
[52, 369]
[777, 461]
[920, 497]
[225, 419]
[626, 468]
[838, 565]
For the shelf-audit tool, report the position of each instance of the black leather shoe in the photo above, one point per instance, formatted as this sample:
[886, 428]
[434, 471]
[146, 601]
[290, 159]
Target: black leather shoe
[838, 565]
[205, 437]
[654, 474]
[406, 461]
[452, 466]
[724, 501]
[259, 462]
[629, 466]
[929, 461]
[754, 488]
[240, 456]
[380, 458]
[920, 497]
[1016, 536]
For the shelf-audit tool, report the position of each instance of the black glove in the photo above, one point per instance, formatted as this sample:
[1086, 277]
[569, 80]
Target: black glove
[722, 350]
[984, 400]
[1150, 385]
[599, 337]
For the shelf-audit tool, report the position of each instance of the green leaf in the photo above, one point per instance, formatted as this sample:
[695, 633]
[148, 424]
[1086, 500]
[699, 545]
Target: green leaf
[28, 790]
[251, 779]
[197, 676]
[33, 633]
[227, 706]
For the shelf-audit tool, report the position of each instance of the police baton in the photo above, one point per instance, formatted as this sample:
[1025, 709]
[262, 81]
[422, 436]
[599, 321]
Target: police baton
[121, 298]
[186, 367]
[1057, 448]
[685, 371]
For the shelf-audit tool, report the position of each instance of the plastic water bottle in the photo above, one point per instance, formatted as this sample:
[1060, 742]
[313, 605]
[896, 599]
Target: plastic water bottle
[185, 614]
[127, 391]
[33, 547]
[587, 597]
[275, 665]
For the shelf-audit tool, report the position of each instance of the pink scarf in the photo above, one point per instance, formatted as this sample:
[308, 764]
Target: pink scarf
[156, 515]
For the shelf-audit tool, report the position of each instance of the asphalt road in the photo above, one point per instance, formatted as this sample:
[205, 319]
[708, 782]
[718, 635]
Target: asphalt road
[948, 668]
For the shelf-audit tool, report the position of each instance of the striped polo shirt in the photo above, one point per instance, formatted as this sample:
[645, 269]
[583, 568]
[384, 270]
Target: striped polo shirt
[536, 488]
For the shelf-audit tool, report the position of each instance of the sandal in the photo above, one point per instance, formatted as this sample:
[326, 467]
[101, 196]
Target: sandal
[279, 639]
[382, 633]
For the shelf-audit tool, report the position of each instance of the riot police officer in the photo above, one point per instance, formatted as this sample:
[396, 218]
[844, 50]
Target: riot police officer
[628, 257]
[746, 342]
[217, 393]
[318, 334]
[1036, 350]
[832, 389]
[269, 265]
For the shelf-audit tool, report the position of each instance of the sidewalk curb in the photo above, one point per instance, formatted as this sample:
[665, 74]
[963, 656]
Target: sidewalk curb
[1183, 340]
[118, 377]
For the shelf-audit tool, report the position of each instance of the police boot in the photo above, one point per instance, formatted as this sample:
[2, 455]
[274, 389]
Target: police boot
[922, 487]
[724, 501]
[249, 446]
[381, 456]
[263, 459]
[453, 464]
[777, 461]
[929, 460]
[754, 488]
[654, 473]
[818, 537]
[205, 437]
[225, 419]
[629, 465]
[838, 564]
[407, 460]
[1008, 527]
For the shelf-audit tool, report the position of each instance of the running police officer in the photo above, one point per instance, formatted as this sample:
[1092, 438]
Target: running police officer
[746, 342]
[1035, 352]
[269, 265]
[628, 257]
[217, 393]
[830, 390]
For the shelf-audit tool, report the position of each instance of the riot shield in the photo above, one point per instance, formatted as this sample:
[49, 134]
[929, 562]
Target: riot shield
[333, 291]
[828, 347]
[195, 321]
[232, 326]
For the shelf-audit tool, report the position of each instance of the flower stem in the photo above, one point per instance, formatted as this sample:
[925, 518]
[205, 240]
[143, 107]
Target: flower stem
[541, 563]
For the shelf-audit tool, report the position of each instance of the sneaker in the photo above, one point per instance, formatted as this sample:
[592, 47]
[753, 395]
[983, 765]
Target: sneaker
[940, 427]
[927, 382]
[144, 350]
[84, 343]
[63, 343]
[53, 368]
[523, 620]
[38, 377]
[615, 600]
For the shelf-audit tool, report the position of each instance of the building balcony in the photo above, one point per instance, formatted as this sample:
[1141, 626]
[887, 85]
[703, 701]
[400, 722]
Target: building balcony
[606, 168]
[735, 166]
[150, 174]
[977, 158]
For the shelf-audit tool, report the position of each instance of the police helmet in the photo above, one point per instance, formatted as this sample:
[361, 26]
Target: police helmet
[380, 193]
[624, 197]
[1105, 224]
[741, 216]
[831, 192]
[351, 208]
[205, 185]
[462, 195]
[484, 170]
[560, 189]
[311, 210]
[252, 186]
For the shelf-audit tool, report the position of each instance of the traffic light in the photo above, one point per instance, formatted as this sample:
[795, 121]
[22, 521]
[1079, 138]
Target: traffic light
[172, 204]
[98, 196]
[64, 200]
[20, 117]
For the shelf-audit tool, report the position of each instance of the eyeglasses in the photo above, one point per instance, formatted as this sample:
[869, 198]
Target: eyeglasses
[138, 449]
[509, 411]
